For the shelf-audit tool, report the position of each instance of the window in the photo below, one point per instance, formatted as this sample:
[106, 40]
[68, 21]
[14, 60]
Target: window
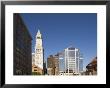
[38, 37]
[35, 70]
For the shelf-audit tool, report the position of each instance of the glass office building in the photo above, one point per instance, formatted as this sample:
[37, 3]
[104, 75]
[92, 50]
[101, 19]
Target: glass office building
[70, 61]
[22, 48]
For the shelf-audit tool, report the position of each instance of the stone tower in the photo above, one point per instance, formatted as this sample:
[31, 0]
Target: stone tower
[39, 52]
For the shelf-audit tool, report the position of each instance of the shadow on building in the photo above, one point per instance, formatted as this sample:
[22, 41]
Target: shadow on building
[22, 48]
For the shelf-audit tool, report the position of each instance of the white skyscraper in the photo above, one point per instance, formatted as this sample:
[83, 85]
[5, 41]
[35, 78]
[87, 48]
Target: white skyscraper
[70, 61]
[39, 52]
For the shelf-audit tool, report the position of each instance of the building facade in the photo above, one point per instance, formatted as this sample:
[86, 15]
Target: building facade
[39, 52]
[70, 61]
[33, 58]
[53, 65]
[61, 63]
[91, 68]
[36, 70]
[22, 48]
[45, 68]
[81, 64]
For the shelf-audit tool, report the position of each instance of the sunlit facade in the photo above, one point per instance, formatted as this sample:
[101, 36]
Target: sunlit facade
[70, 62]
[53, 65]
[39, 52]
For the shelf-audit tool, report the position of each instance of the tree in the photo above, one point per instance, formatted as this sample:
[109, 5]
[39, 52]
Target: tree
[36, 73]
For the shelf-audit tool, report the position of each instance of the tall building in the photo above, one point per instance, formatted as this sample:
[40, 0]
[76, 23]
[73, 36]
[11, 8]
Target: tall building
[56, 64]
[45, 68]
[53, 65]
[61, 63]
[33, 58]
[39, 52]
[70, 61]
[22, 48]
[81, 64]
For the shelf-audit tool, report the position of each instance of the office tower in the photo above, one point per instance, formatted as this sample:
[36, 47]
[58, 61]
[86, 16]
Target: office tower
[81, 64]
[22, 47]
[53, 65]
[33, 58]
[70, 61]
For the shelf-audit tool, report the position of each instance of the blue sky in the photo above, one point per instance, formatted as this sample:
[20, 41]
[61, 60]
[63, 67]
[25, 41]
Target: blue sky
[61, 30]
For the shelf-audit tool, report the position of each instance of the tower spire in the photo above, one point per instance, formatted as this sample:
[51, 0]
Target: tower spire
[38, 31]
[38, 35]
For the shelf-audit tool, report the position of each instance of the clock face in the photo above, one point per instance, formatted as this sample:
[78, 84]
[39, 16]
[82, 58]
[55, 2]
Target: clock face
[38, 46]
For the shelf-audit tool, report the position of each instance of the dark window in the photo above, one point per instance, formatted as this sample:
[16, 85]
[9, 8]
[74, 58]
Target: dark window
[38, 37]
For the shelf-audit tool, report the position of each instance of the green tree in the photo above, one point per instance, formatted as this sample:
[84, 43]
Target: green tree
[36, 73]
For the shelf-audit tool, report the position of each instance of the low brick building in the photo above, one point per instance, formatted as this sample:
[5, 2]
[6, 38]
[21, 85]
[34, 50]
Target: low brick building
[91, 68]
[36, 70]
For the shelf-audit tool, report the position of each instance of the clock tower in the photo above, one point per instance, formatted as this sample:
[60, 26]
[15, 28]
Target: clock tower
[39, 52]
